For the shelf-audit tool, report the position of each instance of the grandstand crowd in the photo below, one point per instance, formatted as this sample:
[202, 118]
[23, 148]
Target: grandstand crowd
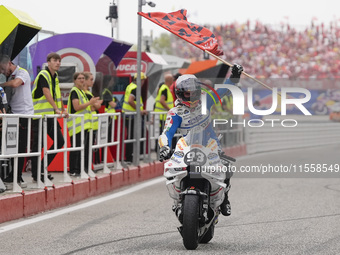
[276, 52]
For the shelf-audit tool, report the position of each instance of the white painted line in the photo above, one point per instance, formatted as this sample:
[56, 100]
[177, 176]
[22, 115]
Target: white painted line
[81, 206]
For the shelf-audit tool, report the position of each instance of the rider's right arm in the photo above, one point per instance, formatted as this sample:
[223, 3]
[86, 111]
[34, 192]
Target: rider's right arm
[173, 122]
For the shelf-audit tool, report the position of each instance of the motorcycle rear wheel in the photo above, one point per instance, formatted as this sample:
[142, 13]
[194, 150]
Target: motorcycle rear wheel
[190, 222]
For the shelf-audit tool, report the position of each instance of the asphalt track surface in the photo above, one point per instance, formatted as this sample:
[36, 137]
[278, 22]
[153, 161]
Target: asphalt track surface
[269, 216]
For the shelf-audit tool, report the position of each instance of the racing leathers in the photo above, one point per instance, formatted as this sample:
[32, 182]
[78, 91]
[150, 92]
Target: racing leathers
[182, 118]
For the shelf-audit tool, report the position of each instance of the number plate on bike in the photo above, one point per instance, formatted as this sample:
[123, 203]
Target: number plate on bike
[195, 157]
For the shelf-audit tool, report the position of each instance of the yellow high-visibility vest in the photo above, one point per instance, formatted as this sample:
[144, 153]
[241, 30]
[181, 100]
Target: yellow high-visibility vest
[41, 105]
[94, 119]
[126, 106]
[87, 113]
[169, 101]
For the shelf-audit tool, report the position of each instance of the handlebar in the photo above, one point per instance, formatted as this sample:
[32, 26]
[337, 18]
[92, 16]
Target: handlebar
[226, 157]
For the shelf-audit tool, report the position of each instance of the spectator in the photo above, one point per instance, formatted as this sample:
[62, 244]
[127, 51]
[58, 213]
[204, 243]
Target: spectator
[89, 81]
[78, 103]
[164, 99]
[110, 104]
[108, 101]
[164, 102]
[129, 105]
[275, 52]
[47, 100]
[20, 82]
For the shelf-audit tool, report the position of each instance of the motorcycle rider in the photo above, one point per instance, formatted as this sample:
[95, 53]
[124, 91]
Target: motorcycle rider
[187, 114]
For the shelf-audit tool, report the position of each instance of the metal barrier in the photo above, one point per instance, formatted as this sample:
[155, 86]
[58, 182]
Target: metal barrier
[151, 124]
[9, 147]
[10, 142]
[128, 123]
[65, 149]
[105, 121]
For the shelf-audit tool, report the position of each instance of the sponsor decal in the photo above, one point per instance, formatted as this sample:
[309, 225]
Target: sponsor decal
[129, 66]
[205, 123]
[179, 154]
[212, 156]
[173, 158]
[214, 162]
[196, 146]
[211, 143]
[182, 141]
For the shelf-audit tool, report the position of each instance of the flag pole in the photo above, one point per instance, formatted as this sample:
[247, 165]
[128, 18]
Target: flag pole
[244, 73]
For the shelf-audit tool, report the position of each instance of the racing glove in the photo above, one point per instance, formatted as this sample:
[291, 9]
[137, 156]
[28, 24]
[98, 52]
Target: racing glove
[164, 153]
[236, 72]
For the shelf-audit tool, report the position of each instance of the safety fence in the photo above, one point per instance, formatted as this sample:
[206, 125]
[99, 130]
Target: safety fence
[129, 144]
[10, 134]
[63, 150]
[117, 130]
[108, 124]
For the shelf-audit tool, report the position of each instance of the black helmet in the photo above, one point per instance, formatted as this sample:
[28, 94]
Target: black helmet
[188, 90]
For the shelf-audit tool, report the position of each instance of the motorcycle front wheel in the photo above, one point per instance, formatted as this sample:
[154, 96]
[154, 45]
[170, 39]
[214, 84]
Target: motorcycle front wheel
[190, 222]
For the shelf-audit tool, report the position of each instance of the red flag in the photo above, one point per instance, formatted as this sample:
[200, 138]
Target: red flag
[177, 23]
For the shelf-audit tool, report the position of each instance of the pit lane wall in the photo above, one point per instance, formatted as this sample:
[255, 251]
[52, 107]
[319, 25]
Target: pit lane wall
[24, 204]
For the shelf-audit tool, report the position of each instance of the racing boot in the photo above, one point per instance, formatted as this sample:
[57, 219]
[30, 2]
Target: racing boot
[225, 206]
[177, 209]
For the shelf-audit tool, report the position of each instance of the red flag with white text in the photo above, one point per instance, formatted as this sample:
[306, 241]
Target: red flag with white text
[177, 23]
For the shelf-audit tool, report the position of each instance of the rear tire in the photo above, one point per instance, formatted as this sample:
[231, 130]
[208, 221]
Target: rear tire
[190, 222]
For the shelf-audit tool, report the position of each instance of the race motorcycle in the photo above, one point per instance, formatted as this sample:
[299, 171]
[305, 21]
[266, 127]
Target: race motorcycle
[195, 180]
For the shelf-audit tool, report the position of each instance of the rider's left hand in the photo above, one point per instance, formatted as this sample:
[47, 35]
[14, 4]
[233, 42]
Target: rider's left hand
[236, 72]
[164, 153]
